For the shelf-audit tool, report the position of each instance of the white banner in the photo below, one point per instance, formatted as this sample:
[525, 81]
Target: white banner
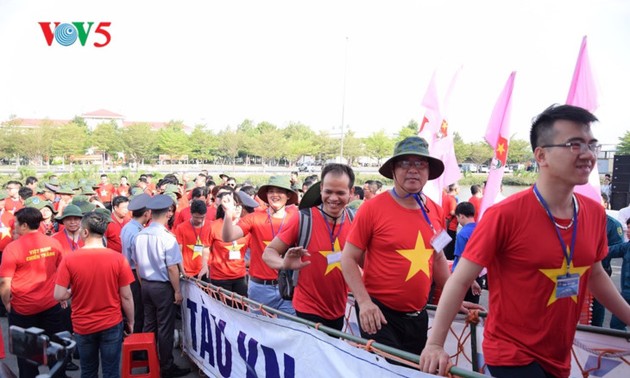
[226, 342]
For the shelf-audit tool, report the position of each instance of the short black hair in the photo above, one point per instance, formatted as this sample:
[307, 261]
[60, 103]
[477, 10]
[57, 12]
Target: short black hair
[25, 192]
[605, 198]
[29, 216]
[198, 207]
[199, 192]
[31, 180]
[103, 175]
[339, 170]
[465, 208]
[249, 190]
[95, 223]
[474, 189]
[359, 191]
[541, 132]
[138, 213]
[118, 200]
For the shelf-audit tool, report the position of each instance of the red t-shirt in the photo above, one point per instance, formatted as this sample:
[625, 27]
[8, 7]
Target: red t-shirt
[262, 233]
[398, 267]
[321, 288]
[112, 234]
[476, 202]
[13, 205]
[448, 204]
[31, 261]
[516, 241]
[67, 243]
[105, 192]
[221, 266]
[187, 238]
[6, 228]
[185, 216]
[89, 272]
[122, 190]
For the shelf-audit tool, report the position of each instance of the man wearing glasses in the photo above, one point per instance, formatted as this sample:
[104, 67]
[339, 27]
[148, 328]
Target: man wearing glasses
[13, 202]
[543, 249]
[398, 238]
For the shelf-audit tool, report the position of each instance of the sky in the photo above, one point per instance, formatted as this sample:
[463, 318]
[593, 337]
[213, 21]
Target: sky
[365, 64]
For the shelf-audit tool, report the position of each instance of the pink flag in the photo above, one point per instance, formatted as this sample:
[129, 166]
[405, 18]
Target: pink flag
[435, 131]
[583, 93]
[497, 136]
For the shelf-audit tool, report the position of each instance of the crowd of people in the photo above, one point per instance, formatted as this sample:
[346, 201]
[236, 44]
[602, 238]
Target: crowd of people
[130, 243]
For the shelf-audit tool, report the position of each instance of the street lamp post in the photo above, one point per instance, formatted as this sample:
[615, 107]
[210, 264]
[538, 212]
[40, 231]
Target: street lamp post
[343, 101]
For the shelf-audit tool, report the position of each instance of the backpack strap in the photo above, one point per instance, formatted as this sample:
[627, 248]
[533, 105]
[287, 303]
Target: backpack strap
[305, 227]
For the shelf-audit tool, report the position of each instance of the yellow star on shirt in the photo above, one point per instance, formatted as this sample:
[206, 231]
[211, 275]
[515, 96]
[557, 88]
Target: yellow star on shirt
[233, 246]
[195, 254]
[553, 274]
[4, 231]
[266, 242]
[419, 257]
[337, 264]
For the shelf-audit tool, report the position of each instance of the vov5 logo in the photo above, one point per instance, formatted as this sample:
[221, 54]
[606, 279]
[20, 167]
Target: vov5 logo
[67, 34]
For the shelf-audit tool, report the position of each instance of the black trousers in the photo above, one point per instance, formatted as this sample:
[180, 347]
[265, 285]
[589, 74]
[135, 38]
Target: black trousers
[51, 321]
[332, 323]
[159, 318]
[404, 331]
[138, 307]
[533, 370]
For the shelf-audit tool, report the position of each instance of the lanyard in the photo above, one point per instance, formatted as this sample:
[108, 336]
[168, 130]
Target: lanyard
[197, 239]
[73, 244]
[273, 232]
[416, 196]
[569, 255]
[331, 233]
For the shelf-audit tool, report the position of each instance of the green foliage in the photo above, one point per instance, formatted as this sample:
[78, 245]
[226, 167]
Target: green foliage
[139, 142]
[379, 146]
[25, 172]
[411, 129]
[623, 148]
[106, 138]
[172, 140]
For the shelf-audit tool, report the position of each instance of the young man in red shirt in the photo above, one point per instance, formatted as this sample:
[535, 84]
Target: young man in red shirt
[321, 293]
[193, 239]
[120, 217]
[105, 191]
[97, 319]
[397, 238]
[449, 202]
[27, 281]
[69, 237]
[543, 249]
[13, 201]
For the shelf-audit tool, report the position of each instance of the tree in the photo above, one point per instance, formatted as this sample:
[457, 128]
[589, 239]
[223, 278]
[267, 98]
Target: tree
[410, 130]
[201, 143]
[172, 140]
[139, 142]
[519, 151]
[480, 152]
[301, 141]
[106, 138]
[352, 147]
[69, 139]
[462, 149]
[623, 148]
[268, 142]
[379, 145]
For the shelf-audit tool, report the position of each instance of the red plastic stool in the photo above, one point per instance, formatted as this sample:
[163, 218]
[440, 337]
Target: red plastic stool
[140, 342]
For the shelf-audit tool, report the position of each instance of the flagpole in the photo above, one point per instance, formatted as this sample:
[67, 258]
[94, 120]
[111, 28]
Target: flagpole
[343, 101]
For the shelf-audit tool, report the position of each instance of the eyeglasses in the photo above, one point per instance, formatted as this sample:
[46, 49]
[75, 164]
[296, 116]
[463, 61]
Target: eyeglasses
[417, 164]
[578, 147]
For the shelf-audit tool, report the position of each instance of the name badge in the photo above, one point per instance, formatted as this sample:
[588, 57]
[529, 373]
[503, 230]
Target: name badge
[198, 248]
[440, 240]
[333, 258]
[567, 285]
[235, 255]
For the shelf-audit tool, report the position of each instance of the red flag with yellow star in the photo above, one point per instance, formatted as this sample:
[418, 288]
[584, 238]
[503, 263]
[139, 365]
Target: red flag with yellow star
[497, 135]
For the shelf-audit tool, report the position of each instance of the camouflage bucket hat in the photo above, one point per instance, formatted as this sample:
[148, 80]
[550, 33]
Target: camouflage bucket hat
[38, 203]
[414, 146]
[282, 182]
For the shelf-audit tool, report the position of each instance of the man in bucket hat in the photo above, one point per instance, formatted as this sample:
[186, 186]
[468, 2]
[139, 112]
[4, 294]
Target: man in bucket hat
[399, 236]
[263, 227]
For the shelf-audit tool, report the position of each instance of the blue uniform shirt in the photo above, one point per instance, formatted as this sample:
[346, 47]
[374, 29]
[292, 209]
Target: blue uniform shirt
[460, 241]
[127, 238]
[155, 250]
